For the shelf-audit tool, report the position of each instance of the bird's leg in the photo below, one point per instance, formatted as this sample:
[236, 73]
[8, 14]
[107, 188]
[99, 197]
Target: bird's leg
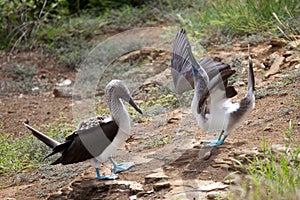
[122, 166]
[220, 135]
[217, 142]
[103, 177]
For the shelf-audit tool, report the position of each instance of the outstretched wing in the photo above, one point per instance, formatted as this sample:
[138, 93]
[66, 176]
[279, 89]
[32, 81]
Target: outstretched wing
[182, 63]
[213, 67]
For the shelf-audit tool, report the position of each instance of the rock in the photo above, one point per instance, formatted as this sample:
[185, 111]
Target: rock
[239, 83]
[229, 182]
[133, 197]
[268, 127]
[20, 178]
[65, 92]
[212, 186]
[221, 161]
[205, 155]
[287, 53]
[279, 148]
[133, 185]
[247, 154]
[160, 78]
[142, 194]
[222, 166]
[161, 185]
[66, 82]
[294, 43]
[215, 195]
[275, 67]
[268, 118]
[155, 177]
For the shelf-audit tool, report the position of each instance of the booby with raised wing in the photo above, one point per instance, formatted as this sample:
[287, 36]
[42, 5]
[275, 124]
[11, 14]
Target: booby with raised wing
[211, 104]
[97, 138]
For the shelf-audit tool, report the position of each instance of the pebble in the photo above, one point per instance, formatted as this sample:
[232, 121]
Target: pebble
[161, 185]
[278, 148]
[206, 155]
[155, 177]
[212, 186]
[268, 127]
[268, 118]
[214, 195]
[66, 82]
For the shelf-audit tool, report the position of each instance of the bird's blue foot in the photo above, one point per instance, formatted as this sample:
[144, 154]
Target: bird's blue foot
[106, 177]
[218, 142]
[215, 143]
[122, 166]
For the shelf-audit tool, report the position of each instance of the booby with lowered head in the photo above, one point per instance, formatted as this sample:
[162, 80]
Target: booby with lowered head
[211, 104]
[97, 138]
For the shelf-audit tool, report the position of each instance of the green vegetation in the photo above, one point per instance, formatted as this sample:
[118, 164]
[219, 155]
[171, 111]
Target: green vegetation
[159, 141]
[275, 176]
[69, 29]
[21, 154]
[218, 22]
[162, 96]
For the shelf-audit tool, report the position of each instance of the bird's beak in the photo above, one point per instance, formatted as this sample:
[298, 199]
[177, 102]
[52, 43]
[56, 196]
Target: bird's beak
[132, 103]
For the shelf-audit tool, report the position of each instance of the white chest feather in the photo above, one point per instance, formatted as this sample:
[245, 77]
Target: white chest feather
[219, 109]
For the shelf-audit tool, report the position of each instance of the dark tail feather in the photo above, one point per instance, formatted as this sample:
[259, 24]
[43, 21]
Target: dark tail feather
[251, 80]
[44, 138]
[58, 149]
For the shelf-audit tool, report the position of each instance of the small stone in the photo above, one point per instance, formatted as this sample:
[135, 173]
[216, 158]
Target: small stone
[66, 82]
[155, 177]
[221, 161]
[206, 155]
[133, 197]
[229, 182]
[19, 178]
[268, 127]
[222, 166]
[294, 43]
[213, 195]
[275, 67]
[239, 83]
[212, 186]
[278, 148]
[269, 118]
[35, 89]
[287, 53]
[160, 186]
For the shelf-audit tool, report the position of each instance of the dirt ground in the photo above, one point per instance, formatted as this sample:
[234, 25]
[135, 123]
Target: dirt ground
[178, 167]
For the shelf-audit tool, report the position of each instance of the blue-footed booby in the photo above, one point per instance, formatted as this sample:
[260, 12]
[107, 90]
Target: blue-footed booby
[97, 138]
[211, 104]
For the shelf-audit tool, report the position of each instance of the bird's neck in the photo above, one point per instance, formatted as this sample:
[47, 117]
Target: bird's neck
[120, 115]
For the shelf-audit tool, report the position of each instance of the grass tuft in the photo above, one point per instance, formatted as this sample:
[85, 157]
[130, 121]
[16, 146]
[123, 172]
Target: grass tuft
[23, 154]
[220, 21]
[274, 176]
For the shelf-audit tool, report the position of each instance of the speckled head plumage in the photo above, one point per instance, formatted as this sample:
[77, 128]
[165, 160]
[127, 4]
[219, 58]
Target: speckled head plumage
[117, 89]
